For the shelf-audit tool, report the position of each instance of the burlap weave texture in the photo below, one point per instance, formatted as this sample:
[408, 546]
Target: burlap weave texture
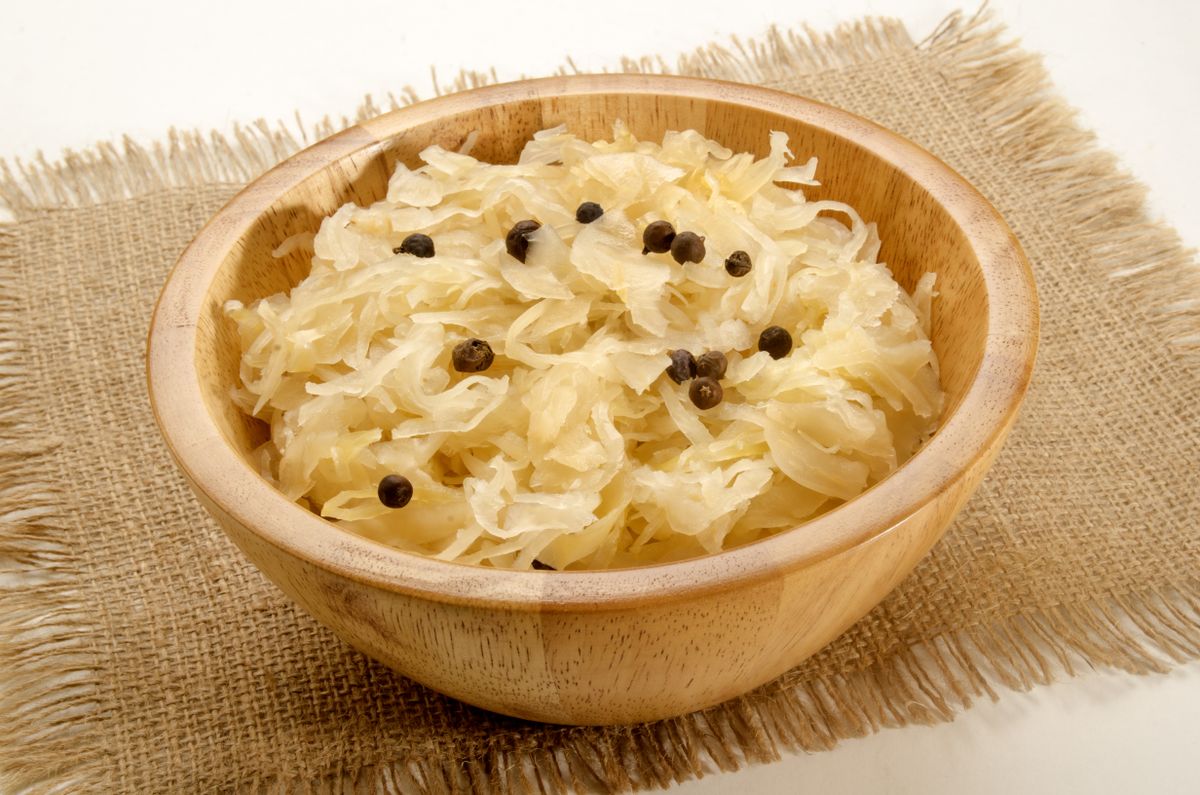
[140, 652]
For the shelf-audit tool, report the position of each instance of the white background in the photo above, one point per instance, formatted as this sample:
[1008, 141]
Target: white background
[75, 73]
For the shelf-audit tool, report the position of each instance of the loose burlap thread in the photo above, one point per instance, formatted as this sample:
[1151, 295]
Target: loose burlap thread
[140, 652]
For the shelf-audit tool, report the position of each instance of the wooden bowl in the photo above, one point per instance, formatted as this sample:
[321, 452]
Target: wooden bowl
[624, 645]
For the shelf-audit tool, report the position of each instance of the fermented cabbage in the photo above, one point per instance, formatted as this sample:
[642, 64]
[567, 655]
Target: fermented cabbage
[574, 449]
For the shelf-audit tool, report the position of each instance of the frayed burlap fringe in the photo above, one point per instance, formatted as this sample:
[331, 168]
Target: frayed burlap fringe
[1107, 207]
[113, 171]
[47, 674]
[49, 685]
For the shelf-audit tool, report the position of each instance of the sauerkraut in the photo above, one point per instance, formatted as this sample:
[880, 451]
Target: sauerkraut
[574, 449]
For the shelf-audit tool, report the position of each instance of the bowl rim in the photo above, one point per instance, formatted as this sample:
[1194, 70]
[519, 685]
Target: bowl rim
[233, 491]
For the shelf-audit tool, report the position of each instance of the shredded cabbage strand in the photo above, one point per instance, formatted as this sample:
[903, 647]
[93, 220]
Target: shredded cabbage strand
[574, 448]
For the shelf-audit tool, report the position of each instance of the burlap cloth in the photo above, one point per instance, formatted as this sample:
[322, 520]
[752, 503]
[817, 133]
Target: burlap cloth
[140, 652]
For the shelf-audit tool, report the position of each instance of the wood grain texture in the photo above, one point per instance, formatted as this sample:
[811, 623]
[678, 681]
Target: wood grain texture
[625, 645]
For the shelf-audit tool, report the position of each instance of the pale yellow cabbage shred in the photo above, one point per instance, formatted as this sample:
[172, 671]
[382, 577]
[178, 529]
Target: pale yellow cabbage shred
[574, 447]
